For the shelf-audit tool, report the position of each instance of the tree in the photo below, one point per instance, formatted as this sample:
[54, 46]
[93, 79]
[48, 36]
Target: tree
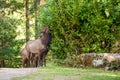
[8, 27]
[36, 3]
[27, 21]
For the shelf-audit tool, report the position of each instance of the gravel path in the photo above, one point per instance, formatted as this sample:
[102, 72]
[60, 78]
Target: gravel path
[9, 73]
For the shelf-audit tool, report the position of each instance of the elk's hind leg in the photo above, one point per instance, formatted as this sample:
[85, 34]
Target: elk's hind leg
[24, 62]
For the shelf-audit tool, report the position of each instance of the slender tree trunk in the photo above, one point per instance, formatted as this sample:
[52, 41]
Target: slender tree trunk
[2, 60]
[36, 20]
[27, 21]
[36, 3]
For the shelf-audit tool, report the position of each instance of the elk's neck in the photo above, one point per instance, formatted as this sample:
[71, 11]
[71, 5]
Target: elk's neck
[46, 39]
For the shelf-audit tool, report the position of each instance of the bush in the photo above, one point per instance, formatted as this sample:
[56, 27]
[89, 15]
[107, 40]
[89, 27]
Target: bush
[79, 26]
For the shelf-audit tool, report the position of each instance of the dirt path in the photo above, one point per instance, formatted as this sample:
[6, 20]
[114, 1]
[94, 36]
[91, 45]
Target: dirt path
[9, 73]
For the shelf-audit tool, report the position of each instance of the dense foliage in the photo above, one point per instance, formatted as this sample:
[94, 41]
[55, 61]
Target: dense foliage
[9, 46]
[81, 26]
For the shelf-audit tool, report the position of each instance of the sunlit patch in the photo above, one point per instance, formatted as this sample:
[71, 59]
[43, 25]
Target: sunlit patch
[106, 74]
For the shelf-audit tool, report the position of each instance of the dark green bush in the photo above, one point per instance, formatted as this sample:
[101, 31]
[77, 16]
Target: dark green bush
[79, 26]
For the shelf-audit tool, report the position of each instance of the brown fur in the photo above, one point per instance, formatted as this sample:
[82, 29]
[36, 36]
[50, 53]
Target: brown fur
[24, 56]
[37, 49]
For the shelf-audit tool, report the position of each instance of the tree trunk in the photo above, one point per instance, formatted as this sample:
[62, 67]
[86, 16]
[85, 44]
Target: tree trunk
[36, 20]
[27, 21]
[2, 59]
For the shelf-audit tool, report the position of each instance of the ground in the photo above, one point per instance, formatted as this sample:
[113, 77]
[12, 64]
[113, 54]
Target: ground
[57, 73]
[61, 73]
[9, 73]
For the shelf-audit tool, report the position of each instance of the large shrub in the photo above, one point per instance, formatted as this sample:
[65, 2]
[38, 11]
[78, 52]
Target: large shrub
[80, 26]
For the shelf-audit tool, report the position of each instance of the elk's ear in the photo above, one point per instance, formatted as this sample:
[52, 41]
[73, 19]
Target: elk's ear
[43, 31]
[46, 29]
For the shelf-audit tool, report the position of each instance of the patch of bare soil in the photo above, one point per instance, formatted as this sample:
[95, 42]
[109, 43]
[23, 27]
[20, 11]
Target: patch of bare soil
[9, 73]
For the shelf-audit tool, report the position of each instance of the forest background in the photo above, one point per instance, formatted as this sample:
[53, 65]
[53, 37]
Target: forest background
[77, 26]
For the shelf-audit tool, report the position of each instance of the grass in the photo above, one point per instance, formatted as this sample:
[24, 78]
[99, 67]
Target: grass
[60, 73]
